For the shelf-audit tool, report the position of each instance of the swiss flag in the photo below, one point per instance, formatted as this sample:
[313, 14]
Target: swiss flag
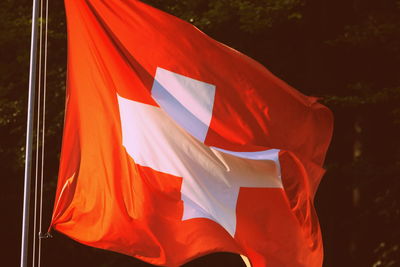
[176, 146]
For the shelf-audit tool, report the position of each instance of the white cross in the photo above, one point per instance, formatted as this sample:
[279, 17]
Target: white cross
[170, 140]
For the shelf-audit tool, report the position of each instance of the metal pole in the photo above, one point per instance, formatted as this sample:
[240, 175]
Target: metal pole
[29, 135]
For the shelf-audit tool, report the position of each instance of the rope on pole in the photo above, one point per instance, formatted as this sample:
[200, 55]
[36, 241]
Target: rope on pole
[38, 109]
[43, 132]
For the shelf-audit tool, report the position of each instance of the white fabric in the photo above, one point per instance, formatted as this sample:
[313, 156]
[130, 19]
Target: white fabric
[188, 101]
[211, 178]
[170, 140]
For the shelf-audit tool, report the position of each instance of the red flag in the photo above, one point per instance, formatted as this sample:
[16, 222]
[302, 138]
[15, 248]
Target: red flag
[176, 146]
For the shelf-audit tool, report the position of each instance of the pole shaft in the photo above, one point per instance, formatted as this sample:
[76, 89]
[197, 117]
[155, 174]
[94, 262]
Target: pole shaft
[29, 136]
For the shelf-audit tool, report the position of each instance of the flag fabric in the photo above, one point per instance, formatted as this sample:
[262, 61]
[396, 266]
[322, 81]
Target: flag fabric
[176, 146]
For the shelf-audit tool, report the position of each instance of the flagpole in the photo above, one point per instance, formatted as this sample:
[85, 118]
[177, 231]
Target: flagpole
[29, 135]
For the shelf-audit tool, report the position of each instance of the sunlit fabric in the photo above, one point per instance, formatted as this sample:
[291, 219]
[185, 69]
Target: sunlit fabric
[176, 146]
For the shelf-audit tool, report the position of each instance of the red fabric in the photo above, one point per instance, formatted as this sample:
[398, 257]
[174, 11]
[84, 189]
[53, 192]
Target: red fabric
[105, 200]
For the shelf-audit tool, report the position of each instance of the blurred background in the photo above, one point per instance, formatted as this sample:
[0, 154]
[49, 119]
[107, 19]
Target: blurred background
[347, 52]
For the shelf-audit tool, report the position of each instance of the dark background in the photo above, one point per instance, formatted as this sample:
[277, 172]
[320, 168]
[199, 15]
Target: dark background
[345, 51]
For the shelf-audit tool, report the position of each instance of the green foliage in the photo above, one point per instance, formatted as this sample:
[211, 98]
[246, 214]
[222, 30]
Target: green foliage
[14, 55]
[253, 16]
